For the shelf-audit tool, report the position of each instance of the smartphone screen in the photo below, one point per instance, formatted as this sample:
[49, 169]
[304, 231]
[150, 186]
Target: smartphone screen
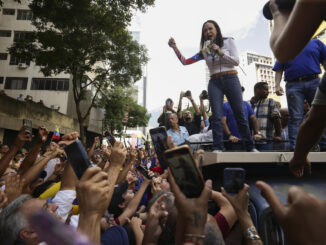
[159, 136]
[77, 157]
[233, 179]
[28, 124]
[110, 139]
[184, 171]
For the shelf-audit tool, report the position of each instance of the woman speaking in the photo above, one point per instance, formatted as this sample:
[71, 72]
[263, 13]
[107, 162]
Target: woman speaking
[221, 56]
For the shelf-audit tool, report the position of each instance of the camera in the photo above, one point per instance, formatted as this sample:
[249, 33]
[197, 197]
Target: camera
[187, 93]
[204, 95]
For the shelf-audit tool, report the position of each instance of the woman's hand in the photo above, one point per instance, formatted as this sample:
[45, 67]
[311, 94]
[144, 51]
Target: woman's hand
[172, 43]
[217, 49]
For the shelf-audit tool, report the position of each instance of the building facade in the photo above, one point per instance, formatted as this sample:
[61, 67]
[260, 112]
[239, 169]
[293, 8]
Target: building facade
[21, 78]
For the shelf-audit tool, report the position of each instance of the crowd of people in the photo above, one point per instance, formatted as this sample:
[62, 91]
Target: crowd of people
[113, 201]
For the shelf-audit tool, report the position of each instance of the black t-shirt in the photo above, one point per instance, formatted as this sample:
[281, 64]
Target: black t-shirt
[194, 126]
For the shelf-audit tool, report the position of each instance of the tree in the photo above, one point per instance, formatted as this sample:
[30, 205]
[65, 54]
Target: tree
[117, 103]
[87, 39]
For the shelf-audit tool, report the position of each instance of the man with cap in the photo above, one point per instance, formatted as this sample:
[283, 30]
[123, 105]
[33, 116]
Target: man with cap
[289, 26]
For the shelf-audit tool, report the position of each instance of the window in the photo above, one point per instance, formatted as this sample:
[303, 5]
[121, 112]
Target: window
[3, 56]
[56, 84]
[24, 14]
[15, 61]
[16, 83]
[5, 33]
[1, 80]
[8, 11]
[20, 36]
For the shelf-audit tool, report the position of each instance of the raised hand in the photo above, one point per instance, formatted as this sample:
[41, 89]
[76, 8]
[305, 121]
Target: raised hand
[303, 219]
[118, 154]
[156, 213]
[42, 134]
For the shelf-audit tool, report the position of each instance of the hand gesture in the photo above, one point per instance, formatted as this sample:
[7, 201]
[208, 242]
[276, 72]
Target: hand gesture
[156, 213]
[156, 185]
[118, 154]
[135, 224]
[303, 219]
[240, 201]
[257, 137]
[3, 199]
[23, 136]
[133, 155]
[217, 49]
[42, 134]
[234, 139]
[172, 43]
[279, 90]
[96, 140]
[277, 139]
[14, 187]
[297, 166]
[93, 192]
[67, 139]
[193, 211]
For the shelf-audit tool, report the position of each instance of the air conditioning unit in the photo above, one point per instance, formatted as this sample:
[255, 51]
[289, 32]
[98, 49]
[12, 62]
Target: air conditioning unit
[22, 65]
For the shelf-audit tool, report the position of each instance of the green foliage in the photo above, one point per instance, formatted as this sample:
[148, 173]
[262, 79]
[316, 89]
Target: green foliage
[87, 39]
[117, 102]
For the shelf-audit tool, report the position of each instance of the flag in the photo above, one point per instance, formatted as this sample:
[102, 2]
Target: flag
[56, 133]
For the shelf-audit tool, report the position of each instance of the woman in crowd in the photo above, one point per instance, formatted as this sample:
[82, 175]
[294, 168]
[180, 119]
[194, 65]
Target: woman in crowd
[221, 57]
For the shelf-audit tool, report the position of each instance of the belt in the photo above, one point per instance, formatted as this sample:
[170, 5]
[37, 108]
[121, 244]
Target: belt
[225, 73]
[304, 78]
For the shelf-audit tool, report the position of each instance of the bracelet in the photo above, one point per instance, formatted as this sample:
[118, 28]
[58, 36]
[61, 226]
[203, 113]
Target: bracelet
[194, 237]
[252, 234]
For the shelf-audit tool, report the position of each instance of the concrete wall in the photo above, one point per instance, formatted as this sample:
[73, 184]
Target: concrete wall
[12, 112]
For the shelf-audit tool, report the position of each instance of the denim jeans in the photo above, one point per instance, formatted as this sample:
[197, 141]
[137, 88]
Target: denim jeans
[230, 86]
[296, 93]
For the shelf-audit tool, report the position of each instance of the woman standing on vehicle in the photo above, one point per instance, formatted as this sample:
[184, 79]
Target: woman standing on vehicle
[221, 56]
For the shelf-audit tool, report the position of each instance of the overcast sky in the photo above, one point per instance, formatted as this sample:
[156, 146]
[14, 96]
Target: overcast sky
[183, 19]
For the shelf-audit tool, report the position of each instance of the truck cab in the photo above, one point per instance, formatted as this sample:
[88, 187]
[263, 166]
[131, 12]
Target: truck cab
[271, 167]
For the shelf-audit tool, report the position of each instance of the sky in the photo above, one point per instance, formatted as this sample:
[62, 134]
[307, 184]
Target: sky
[183, 20]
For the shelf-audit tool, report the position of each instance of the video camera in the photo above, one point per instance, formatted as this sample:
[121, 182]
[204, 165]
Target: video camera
[204, 95]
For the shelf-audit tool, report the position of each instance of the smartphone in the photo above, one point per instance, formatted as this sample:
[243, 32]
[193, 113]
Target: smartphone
[143, 171]
[110, 138]
[159, 136]
[184, 170]
[233, 179]
[28, 124]
[77, 157]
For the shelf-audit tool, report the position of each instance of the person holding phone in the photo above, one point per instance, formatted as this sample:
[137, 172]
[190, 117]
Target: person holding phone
[221, 57]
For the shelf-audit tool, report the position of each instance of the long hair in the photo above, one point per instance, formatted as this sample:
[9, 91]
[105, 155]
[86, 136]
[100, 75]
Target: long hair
[219, 38]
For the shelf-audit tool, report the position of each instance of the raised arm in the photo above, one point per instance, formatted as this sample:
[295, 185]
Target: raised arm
[183, 60]
[23, 136]
[133, 204]
[32, 154]
[293, 26]
[91, 151]
[202, 107]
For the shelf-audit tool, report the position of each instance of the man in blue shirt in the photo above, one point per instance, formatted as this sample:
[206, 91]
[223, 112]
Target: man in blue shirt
[302, 80]
[230, 127]
[178, 133]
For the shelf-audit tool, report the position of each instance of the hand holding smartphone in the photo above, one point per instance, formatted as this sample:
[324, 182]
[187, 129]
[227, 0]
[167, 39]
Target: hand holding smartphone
[143, 171]
[77, 157]
[159, 136]
[28, 124]
[233, 179]
[184, 170]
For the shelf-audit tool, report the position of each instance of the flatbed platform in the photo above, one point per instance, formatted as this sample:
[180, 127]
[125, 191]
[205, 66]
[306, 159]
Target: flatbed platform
[211, 158]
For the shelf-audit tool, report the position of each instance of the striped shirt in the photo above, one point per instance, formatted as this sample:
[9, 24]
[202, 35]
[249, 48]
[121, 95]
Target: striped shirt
[266, 111]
